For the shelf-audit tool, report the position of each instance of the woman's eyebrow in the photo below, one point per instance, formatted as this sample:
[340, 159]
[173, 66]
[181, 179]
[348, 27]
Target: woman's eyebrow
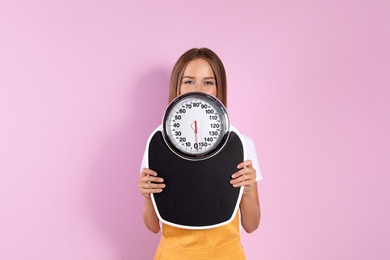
[206, 78]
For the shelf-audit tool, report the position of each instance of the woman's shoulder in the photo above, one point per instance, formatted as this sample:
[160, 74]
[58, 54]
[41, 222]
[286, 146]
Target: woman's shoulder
[251, 154]
[247, 138]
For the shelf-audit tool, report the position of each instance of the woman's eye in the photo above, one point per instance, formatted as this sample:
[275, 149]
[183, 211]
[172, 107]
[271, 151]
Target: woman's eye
[209, 83]
[188, 82]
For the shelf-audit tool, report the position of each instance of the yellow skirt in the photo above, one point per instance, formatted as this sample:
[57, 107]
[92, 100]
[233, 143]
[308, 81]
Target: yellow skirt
[230, 252]
[221, 243]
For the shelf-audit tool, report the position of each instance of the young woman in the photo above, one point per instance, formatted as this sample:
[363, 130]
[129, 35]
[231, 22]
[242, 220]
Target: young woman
[201, 70]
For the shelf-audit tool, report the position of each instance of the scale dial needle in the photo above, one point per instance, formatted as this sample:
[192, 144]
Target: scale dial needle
[196, 134]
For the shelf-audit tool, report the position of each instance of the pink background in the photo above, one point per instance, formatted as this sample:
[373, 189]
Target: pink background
[83, 83]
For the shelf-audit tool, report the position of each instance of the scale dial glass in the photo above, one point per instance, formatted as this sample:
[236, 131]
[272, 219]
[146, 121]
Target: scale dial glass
[196, 126]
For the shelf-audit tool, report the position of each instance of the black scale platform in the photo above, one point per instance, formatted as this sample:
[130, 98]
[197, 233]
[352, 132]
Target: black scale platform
[198, 194]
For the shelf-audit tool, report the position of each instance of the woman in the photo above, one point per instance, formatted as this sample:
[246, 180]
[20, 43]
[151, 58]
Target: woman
[201, 70]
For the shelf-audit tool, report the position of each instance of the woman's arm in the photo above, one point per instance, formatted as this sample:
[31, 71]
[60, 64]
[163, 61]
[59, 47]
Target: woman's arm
[149, 216]
[146, 187]
[249, 205]
[250, 210]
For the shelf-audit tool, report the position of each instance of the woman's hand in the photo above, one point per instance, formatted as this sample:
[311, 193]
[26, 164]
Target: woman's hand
[246, 176]
[249, 205]
[148, 183]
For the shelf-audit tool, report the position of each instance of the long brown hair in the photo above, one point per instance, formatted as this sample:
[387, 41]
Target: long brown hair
[215, 63]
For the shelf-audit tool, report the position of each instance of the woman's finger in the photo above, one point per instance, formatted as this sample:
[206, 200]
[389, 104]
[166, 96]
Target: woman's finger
[149, 183]
[247, 163]
[146, 172]
[244, 177]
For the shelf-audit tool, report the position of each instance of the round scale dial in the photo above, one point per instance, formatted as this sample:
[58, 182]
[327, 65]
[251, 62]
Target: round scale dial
[196, 126]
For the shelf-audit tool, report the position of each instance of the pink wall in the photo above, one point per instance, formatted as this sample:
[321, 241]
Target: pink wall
[309, 81]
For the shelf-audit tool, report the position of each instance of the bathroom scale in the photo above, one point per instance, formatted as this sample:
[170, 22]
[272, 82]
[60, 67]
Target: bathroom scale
[196, 150]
